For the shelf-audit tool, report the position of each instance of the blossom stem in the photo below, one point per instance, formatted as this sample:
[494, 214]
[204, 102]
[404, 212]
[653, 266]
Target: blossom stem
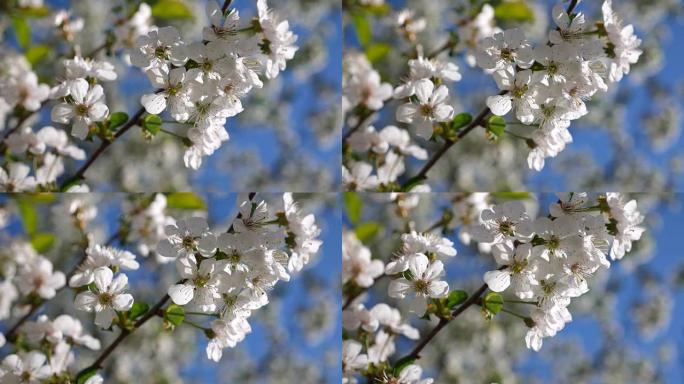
[362, 119]
[202, 314]
[226, 4]
[97, 364]
[80, 174]
[422, 174]
[443, 322]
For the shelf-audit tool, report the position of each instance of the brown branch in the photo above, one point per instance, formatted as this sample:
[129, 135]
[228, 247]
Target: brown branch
[226, 4]
[362, 119]
[475, 298]
[80, 174]
[97, 364]
[422, 174]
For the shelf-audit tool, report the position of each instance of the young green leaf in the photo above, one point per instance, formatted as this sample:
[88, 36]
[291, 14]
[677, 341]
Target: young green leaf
[363, 28]
[516, 10]
[174, 314]
[493, 302]
[367, 231]
[376, 52]
[28, 214]
[152, 124]
[37, 53]
[461, 120]
[496, 125]
[138, 309]
[185, 200]
[455, 298]
[118, 119]
[22, 31]
[353, 206]
[42, 241]
[171, 10]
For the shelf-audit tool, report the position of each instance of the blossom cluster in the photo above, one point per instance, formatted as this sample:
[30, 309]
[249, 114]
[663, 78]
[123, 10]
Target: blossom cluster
[414, 275]
[230, 274]
[545, 262]
[202, 83]
[223, 275]
[545, 86]
[551, 260]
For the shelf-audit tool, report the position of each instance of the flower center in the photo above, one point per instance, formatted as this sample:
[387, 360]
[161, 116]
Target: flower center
[421, 286]
[106, 299]
[82, 109]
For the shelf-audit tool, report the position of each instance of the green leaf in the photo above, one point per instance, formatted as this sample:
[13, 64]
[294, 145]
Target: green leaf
[152, 124]
[37, 53]
[171, 9]
[138, 309]
[493, 302]
[461, 120]
[363, 29]
[378, 10]
[496, 125]
[455, 298]
[185, 200]
[42, 241]
[118, 119]
[402, 363]
[512, 195]
[22, 31]
[86, 374]
[366, 231]
[377, 52]
[516, 11]
[174, 314]
[35, 12]
[353, 206]
[28, 214]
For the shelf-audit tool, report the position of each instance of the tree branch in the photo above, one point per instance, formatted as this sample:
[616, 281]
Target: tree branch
[80, 174]
[475, 298]
[422, 174]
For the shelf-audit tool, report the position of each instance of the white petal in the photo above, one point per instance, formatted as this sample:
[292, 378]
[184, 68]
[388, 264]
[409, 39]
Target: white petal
[497, 281]
[181, 294]
[499, 105]
[154, 103]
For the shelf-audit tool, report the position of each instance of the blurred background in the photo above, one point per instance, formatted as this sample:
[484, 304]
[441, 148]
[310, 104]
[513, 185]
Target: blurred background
[631, 140]
[296, 338]
[287, 139]
[626, 329]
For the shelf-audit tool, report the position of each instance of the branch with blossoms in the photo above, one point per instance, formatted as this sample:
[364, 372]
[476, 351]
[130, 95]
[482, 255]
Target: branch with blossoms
[545, 87]
[541, 264]
[200, 84]
[223, 277]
